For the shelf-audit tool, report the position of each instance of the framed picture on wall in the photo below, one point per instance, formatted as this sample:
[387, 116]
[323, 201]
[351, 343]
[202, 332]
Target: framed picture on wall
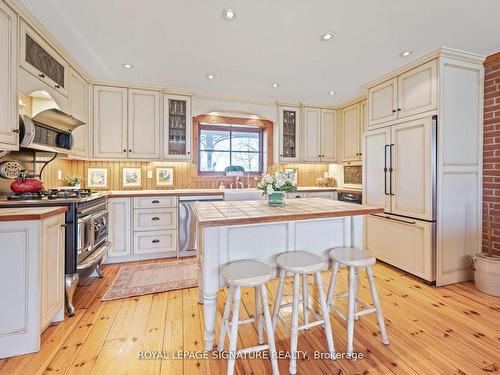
[292, 173]
[97, 178]
[164, 176]
[131, 177]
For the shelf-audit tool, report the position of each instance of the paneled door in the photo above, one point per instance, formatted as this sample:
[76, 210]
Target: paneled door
[383, 102]
[9, 139]
[290, 135]
[351, 133]
[120, 218]
[376, 169]
[110, 122]
[79, 108]
[417, 90]
[412, 162]
[143, 124]
[312, 134]
[329, 136]
[178, 127]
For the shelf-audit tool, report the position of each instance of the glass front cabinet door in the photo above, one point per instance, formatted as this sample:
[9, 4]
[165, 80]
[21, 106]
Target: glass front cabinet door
[289, 134]
[178, 127]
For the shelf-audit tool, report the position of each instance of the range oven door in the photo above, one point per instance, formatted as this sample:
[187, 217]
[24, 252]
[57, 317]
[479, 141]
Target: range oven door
[99, 226]
[84, 238]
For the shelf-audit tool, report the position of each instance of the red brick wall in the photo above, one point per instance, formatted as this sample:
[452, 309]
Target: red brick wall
[491, 153]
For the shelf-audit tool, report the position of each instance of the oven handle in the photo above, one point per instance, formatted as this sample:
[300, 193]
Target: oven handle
[95, 257]
[93, 208]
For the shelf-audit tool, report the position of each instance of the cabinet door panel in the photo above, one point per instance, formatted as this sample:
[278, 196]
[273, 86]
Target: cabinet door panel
[351, 134]
[382, 101]
[120, 219]
[110, 122]
[8, 79]
[78, 107]
[375, 180]
[155, 242]
[289, 136]
[143, 124]
[417, 90]
[312, 134]
[178, 127]
[412, 165]
[155, 218]
[329, 136]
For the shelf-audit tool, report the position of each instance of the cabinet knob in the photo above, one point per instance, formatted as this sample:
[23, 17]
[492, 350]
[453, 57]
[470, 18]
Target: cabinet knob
[393, 111]
[188, 153]
[16, 131]
[57, 86]
[155, 201]
[41, 75]
[63, 225]
[124, 150]
[155, 218]
[129, 150]
[399, 109]
[155, 241]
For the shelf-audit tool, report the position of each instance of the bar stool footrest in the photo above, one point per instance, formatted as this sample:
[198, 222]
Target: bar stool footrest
[253, 349]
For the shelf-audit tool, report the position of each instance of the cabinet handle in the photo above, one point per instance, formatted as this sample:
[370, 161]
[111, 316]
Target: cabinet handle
[58, 86]
[16, 131]
[394, 111]
[155, 241]
[155, 201]
[41, 75]
[399, 109]
[63, 225]
[155, 218]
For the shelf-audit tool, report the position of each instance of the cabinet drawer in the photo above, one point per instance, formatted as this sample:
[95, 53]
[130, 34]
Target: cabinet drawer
[155, 242]
[155, 218]
[153, 202]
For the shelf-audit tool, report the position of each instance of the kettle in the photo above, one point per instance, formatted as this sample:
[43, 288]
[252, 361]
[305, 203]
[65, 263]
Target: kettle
[26, 185]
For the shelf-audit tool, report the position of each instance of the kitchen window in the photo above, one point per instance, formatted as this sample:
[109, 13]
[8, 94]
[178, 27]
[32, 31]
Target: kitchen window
[223, 146]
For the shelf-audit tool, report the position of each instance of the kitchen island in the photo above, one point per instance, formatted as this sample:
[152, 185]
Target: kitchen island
[233, 230]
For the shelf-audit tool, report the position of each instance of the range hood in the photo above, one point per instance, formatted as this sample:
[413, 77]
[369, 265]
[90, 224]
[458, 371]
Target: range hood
[49, 130]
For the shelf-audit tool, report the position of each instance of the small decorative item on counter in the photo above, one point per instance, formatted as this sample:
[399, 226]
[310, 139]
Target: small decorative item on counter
[234, 170]
[276, 188]
[73, 180]
[26, 185]
[325, 181]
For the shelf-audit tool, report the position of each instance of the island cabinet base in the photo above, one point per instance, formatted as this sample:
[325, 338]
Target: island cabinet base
[223, 244]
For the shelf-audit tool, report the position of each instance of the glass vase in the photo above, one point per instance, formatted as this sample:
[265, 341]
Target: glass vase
[276, 199]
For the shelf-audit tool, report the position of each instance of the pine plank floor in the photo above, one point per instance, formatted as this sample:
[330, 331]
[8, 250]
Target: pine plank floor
[448, 330]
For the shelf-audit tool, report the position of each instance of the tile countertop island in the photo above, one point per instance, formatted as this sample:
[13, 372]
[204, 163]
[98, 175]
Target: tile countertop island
[233, 230]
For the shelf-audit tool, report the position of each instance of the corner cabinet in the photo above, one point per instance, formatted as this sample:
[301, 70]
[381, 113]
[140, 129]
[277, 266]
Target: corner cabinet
[178, 127]
[9, 123]
[353, 126]
[320, 135]
[289, 134]
[79, 108]
[126, 123]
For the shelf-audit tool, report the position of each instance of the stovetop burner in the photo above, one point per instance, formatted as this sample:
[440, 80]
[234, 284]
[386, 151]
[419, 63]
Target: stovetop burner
[51, 194]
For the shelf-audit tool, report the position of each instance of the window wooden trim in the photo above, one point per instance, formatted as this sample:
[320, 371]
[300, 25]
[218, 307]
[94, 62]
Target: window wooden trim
[225, 122]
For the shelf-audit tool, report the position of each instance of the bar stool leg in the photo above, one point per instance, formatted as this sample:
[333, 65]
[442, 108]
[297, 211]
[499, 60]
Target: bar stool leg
[233, 338]
[305, 298]
[356, 292]
[326, 314]
[331, 288]
[225, 318]
[350, 310]
[376, 304]
[279, 296]
[295, 324]
[258, 315]
[269, 329]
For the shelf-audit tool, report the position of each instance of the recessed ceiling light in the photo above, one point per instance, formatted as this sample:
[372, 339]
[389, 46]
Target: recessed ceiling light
[229, 14]
[127, 66]
[327, 36]
[331, 93]
[275, 85]
[210, 76]
[405, 53]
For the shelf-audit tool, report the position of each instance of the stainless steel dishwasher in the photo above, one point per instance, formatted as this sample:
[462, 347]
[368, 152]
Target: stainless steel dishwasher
[187, 223]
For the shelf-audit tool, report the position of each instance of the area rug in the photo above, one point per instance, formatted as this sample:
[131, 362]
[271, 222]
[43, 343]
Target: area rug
[152, 278]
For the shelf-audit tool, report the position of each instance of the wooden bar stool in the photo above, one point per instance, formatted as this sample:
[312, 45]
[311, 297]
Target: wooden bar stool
[302, 263]
[354, 259]
[242, 274]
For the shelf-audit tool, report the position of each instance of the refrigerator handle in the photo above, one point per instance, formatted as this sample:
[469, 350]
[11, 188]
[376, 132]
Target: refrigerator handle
[391, 147]
[385, 169]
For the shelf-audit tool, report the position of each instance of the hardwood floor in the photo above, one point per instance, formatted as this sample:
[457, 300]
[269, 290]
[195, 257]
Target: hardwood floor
[449, 330]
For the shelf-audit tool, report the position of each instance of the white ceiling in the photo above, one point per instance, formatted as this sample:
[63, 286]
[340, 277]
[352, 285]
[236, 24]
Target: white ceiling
[177, 43]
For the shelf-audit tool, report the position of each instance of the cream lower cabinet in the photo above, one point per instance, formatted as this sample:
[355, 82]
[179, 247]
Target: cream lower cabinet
[31, 282]
[142, 228]
[320, 135]
[404, 243]
[9, 139]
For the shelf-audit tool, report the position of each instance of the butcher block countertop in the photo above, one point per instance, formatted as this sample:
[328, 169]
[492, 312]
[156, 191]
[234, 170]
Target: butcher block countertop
[223, 213]
[30, 213]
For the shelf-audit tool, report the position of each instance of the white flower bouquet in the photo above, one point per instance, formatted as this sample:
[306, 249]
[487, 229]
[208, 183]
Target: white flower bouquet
[278, 182]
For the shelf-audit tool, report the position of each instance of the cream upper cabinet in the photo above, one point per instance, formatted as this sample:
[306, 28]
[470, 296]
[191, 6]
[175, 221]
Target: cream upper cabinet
[417, 90]
[289, 134]
[411, 162]
[120, 231]
[9, 139]
[329, 135]
[110, 122]
[383, 102]
[79, 108]
[143, 124]
[351, 132]
[312, 134]
[178, 127]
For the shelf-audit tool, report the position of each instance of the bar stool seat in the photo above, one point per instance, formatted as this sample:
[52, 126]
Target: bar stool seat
[247, 273]
[300, 262]
[352, 257]
[240, 274]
